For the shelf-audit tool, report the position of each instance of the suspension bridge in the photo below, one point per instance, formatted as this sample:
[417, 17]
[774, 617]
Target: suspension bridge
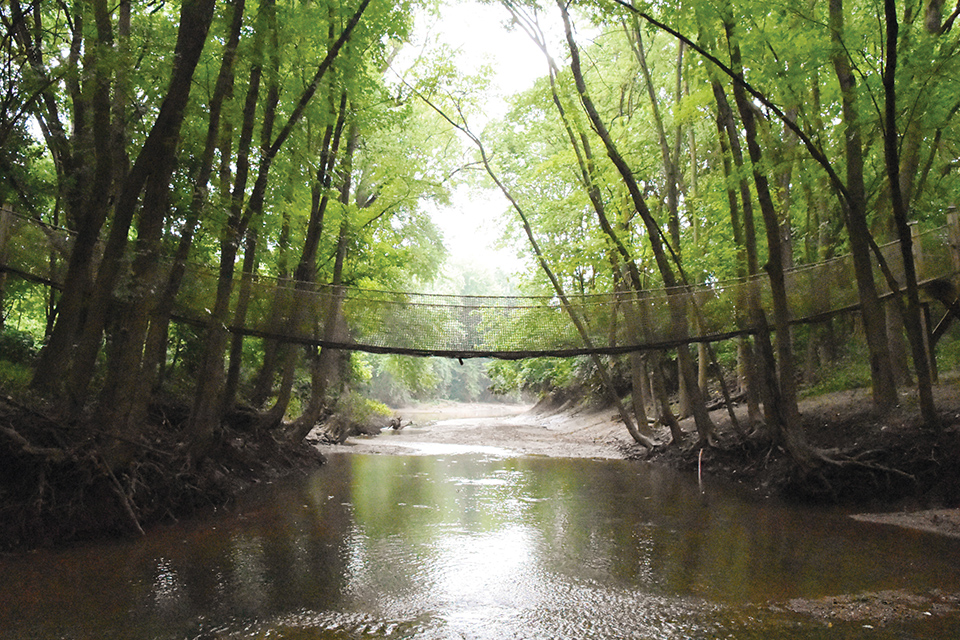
[512, 327]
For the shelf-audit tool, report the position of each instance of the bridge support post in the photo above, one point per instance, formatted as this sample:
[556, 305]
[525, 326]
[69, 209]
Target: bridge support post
[953, 236]
[6, 224]
[928, 342]
[947, 292]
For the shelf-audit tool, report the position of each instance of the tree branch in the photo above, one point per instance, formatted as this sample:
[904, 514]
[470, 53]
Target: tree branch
[812, 148]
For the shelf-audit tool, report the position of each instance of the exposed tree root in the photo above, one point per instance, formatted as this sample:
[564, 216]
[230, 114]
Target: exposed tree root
[124, 498]
[53, 454]
[836, 458]
[855, 456]
[56, 486]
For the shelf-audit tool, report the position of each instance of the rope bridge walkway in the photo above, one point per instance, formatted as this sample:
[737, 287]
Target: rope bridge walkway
[496, 326]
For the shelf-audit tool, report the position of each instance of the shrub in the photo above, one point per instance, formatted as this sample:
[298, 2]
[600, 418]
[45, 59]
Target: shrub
[17, 346]
[14, 377]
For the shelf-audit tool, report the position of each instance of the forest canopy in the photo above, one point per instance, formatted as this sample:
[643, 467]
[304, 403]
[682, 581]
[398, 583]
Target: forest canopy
[665, 145]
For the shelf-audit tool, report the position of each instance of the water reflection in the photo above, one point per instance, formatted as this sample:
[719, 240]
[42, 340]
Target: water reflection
[479, 546]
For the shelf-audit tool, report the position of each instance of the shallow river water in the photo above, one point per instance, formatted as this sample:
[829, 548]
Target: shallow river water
[479, 544]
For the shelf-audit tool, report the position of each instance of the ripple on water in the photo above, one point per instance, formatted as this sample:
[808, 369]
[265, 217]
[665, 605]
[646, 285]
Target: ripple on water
[322, 625]
[590, 613]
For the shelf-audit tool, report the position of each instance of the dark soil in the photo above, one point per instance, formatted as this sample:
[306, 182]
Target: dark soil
[56, 488]
[869, 458]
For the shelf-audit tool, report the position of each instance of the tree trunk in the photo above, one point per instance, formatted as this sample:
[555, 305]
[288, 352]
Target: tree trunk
[156, 347]
[881, 370]
[671, 176]
[87, 197]
[324, 365]
[305, 274]
[580, 143]
[269, 15]
[122, 402]
[665, 414]
[208, 398]
[784, 397]
[638, 396]
[6, 222]
[150, 177]
[913, 320]
[248, 275]
[744, 237]
[279, 310]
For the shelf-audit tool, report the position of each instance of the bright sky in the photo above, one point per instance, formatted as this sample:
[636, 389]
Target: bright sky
[472, 223]
[483, 34]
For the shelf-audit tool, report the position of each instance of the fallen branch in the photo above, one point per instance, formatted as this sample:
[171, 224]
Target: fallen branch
[836, 458]
[848, 461]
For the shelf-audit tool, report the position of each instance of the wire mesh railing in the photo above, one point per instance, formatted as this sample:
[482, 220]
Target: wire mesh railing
[497, 326]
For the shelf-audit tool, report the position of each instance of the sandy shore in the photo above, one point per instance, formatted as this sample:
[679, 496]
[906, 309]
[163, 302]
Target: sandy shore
[504, 429]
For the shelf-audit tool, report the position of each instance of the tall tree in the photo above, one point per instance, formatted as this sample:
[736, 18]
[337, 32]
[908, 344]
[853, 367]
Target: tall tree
[623, 263]
[208, 398]
[217, 132]
[783, 398]
[149, 178]
[881, 368]
[702, 419]
[913, 318]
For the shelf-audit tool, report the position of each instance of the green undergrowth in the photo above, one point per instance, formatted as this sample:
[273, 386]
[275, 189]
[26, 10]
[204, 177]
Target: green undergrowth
[18, 350]
[847, 373]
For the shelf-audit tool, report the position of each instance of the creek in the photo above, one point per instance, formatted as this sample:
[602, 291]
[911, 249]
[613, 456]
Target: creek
[477, 543]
